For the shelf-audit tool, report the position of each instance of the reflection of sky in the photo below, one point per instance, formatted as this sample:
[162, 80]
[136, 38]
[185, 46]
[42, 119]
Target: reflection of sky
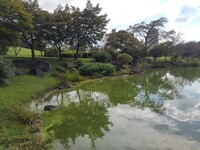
[186, 108]
[136, 129]
[133, 128]
[68, 97]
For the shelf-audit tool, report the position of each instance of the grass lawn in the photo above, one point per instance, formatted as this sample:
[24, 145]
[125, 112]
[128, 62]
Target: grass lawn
[24, 88]
[24, 52]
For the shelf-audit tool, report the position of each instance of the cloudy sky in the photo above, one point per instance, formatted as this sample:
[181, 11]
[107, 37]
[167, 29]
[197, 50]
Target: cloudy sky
[183, 15]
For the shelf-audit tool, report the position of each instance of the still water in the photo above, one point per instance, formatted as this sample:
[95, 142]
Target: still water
[158, 110]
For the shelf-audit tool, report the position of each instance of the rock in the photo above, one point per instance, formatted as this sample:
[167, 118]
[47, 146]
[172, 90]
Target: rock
[43, 65]
[63, 87]
[36, 72]
[20, 63]
[37, 121]
[54, 75]
[50, 108]
[60, 70]
[137, 70]
[38, 136]
[79, 64]
[4, 82]
[17, 71]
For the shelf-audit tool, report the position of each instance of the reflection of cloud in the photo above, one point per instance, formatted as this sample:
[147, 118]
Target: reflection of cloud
[68, 97]
[132, 113]
[134, 128]
[183, 110]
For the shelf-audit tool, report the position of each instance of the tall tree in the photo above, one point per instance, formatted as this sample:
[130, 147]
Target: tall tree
[126, 43]
[34, 34]
[87, 26]
[151, 32]
[122, 40]
[13, 20]
[57, 28]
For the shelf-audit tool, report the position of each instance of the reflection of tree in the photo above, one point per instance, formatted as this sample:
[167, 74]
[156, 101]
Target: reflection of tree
[187, 73]
[84, 118]
[152, 91]
[147, 90]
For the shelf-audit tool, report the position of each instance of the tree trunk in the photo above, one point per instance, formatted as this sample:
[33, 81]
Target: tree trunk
[77, 50]
[32, 52]
[59, 53]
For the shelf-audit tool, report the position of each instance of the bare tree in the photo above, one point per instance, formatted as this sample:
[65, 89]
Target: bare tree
[152, 32]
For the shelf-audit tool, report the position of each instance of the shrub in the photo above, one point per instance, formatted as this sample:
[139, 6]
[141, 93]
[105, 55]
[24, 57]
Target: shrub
[124, 58]
[113, 53]
[67, 55]
[96, 69]
[70, 77]
[88, 54]
[102, 57]
[3, 49]
[5, 68]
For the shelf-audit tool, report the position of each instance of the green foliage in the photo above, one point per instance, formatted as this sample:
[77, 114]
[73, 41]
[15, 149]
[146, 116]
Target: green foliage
[122, 40]
[102, 57]
[5, 68]
[67, 55]
[112, 52]
[21, 113]
[3, 49]
[87, 27]
[124, 58]
[14, 20]
[70, 77]
[98, 69]
[156, 52]
[34, 35]
[57, 27]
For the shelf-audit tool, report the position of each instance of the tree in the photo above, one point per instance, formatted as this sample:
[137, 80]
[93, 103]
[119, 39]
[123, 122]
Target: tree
[125, 42]
[122, 40]
[156, 52]
[190, 49]
[13, 20]
[34, 34]
[57, 28]
[16, 46]
[87, 26]
[151, 32]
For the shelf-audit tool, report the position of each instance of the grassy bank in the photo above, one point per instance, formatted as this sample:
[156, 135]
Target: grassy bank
[15, 117]
[16, 120]
[24, 88]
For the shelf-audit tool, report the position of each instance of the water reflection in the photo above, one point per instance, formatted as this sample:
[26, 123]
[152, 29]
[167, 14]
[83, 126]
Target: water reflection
[78, 119]
[156, 110]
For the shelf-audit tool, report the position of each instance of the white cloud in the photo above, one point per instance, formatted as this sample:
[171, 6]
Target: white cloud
[129, 12]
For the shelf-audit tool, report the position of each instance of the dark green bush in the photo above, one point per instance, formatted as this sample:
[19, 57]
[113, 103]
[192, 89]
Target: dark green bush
[70, 76]
[5, 68]
[102, 57]
[3, 49]
[87, 54]
[113, 53]
[65, 55]
[124, 58]
[99, 69]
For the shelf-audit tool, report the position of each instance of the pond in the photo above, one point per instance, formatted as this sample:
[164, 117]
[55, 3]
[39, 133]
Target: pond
[156, 110]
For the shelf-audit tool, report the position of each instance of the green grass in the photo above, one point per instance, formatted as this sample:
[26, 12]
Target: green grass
[23, 88]
[14, 109]
[25, 52]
